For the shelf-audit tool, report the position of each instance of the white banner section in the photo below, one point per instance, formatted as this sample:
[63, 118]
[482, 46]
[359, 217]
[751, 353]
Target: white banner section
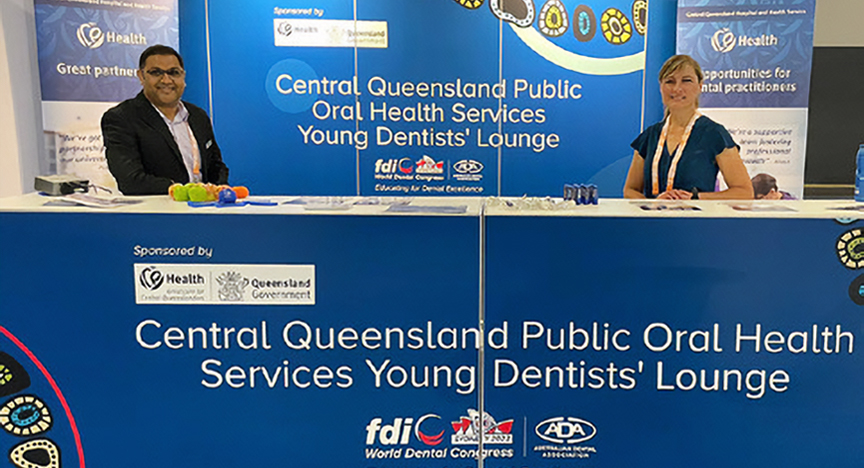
[329, 33]
[163, 283]
[773, 142]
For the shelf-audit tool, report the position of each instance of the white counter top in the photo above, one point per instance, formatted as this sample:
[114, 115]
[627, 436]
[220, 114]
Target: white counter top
[466, 206]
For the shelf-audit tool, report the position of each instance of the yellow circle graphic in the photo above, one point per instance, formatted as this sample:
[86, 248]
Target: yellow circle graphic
[470, 4]
[615, 26]
[553, 19]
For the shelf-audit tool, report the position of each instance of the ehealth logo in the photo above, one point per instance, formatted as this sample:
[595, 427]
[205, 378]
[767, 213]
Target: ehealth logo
[285, 29]
[723, 40]
[90, 36]
[151, 278]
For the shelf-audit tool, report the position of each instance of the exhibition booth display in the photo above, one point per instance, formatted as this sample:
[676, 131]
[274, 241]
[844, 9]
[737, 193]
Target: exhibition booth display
[384, 318]
[423, 331]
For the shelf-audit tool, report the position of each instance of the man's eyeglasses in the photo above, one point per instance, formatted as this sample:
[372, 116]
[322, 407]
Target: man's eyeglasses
[158, 72]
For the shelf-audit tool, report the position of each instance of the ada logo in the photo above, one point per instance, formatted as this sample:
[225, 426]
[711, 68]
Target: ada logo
[468, 166]
[399, 433]
[90, 36]
[468, 170]
[469, 428]
[723, 40]
[151, 278]
[561, 430]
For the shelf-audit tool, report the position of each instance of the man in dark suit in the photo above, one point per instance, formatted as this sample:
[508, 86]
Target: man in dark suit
[155, 139]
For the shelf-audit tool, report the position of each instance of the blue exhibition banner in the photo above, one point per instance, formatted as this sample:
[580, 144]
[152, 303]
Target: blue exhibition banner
[433, 97]
[416, 340]
[757, 58]
[314, 349]
[88, 51]
[676, 343]
[88, 59]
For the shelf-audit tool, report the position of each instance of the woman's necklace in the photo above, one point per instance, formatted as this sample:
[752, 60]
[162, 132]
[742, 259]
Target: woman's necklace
[673, 166]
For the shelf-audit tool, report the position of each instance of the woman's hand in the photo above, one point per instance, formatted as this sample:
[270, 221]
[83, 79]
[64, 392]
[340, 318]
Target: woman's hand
[675, 194]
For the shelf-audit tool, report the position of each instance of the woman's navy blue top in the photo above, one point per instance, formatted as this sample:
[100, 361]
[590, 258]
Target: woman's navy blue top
[698, 165]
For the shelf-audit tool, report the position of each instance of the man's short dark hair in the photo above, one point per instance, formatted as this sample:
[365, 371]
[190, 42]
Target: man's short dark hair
[158, 49]
[762, 184]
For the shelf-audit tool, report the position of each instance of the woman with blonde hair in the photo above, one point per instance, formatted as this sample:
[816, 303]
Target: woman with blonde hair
[679, 157]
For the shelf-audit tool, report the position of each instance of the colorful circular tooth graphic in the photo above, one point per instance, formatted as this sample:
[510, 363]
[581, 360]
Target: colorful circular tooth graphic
[36, 453]
[616, 27]
[584, 23]
[13, 377]
[850, 249]
[640, 16]
[553, 21]
[470, 4]
[518, 12]
[25, 415]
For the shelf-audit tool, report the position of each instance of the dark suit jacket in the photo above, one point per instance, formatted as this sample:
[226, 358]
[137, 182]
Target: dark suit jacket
[142, 154]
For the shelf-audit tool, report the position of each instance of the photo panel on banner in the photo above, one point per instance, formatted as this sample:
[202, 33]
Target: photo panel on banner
[574, 103]
[88, 59]
[757, 61]
[278, 70]
[427, 97]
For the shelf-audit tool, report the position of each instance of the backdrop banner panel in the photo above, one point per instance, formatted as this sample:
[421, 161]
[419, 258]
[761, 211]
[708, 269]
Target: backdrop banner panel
[161, 346]
[88, 58]
[440, 97]
[757, 60]
[670, 342]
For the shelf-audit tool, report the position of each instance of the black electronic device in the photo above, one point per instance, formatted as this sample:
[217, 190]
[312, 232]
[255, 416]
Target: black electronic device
[60, 184]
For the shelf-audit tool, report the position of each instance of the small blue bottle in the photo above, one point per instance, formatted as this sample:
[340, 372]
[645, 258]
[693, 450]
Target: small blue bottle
[859, 175]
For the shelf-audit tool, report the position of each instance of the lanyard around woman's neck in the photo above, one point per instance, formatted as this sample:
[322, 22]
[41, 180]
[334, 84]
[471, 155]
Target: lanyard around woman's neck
[673, 166]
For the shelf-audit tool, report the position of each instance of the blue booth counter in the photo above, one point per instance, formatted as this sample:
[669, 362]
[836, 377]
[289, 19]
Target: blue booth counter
[393, 332]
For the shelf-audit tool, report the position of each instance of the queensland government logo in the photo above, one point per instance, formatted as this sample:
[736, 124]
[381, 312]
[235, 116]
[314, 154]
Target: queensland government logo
[565, 436]
[231, 286]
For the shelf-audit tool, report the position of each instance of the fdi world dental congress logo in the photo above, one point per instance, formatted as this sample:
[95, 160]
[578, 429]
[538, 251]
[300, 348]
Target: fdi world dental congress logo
[723, 40]
[424, 437]
[91, 36]
[470, 428]
[426, 169]
[224, 284]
